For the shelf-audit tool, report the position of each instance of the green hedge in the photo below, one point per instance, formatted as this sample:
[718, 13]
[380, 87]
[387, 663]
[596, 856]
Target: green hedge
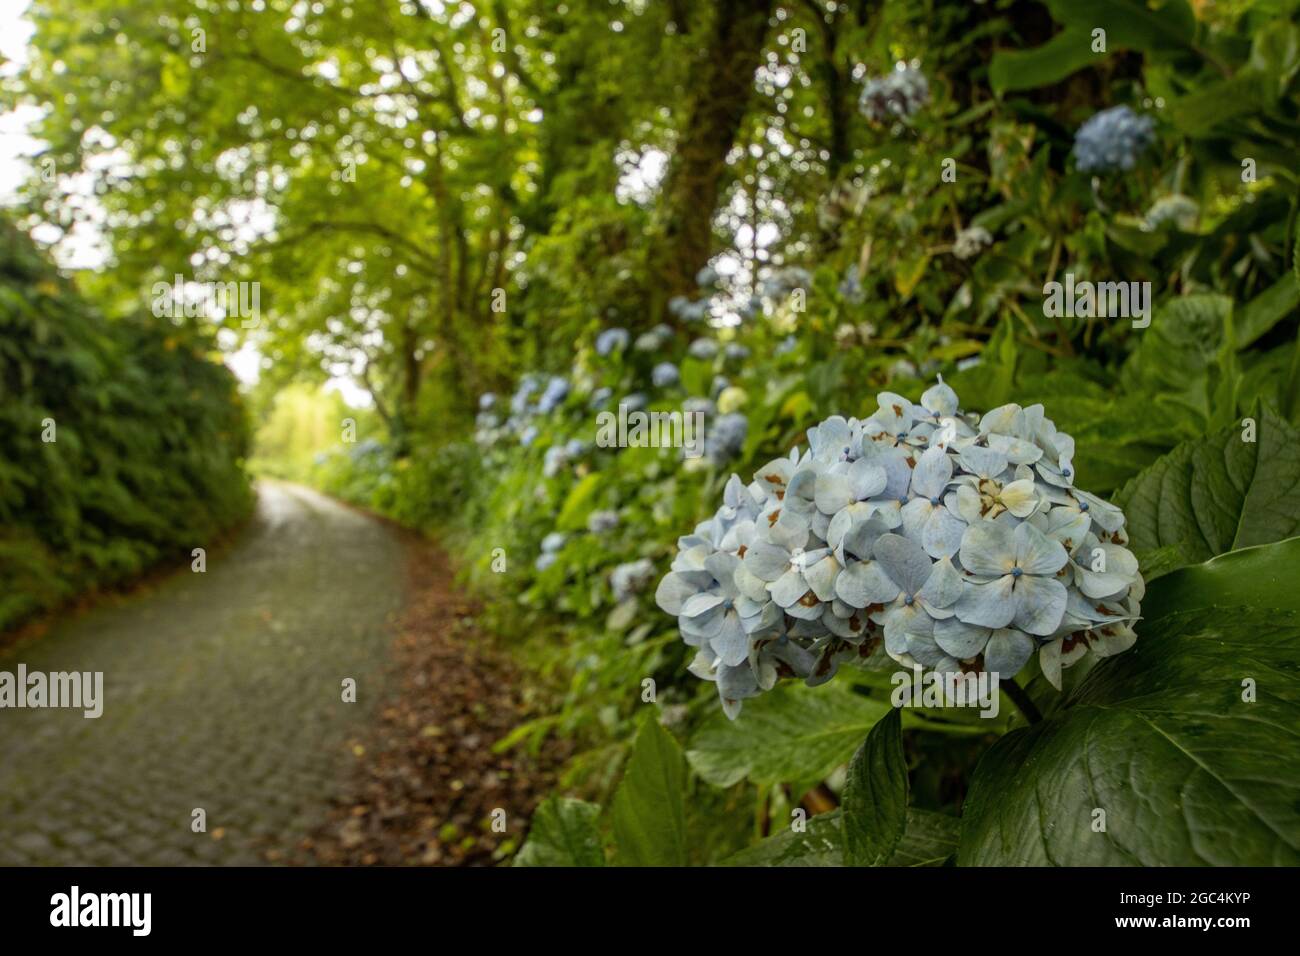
[149, 439]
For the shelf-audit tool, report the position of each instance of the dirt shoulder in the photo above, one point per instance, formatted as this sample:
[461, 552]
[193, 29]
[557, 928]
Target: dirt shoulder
[427, 786]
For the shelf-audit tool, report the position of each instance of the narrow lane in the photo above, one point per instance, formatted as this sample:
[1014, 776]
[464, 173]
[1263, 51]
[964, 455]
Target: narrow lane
[222, 691]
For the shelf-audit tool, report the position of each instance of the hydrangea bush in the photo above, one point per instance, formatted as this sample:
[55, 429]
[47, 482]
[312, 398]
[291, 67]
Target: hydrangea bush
[957, 542]
[1112, 140]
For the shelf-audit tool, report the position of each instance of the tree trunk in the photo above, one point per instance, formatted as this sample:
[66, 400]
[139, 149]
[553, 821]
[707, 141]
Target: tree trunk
[721, 83]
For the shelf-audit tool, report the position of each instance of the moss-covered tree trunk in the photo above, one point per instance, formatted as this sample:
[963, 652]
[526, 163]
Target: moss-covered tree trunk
[722, 81]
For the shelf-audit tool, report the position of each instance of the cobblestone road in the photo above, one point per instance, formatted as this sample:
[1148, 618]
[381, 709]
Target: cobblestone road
[222, 691]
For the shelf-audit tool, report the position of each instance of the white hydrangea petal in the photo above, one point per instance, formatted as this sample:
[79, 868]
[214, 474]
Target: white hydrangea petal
[1104, 514]
[865, 583]
[731, 643]
[1007, 651]
[1121, 568]
[942, 535]
[904, 561]
[833, 493]
[1049, 662]
[932, 473]
[1017, 450]
[767, 562]
[673, 591]
[821, 576]
[1001, 419]
[940, 399]
[866, 478]
[1039, 604]
[961, 640]
[1019, 497]
[750, 585]
[944, 587]
[788, 588]
[988, 549]
[1036, 553]
[989, 605]
[984, 462]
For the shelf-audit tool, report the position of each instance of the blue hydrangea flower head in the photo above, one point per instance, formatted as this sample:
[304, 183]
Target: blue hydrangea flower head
[1113, 140]
[557, 390]
[665, 375]
[631, 578]
[725, 437]
[707, 277]
[635, 402]
[487, 401]
[689, 311]
[896, 96]
[653, 340]
[951, 541]
[600, 522]
[612, 340]
[704, 349]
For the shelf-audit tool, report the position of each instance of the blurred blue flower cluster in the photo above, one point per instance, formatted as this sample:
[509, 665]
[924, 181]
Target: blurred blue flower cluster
[897, 95]
[612, 340]
[1113, 140]
[958, 542]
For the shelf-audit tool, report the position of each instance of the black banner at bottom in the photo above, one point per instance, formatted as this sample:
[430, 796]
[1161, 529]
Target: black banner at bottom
[333, 906]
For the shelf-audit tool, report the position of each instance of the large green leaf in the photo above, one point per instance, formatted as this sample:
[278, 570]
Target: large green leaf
[929, 840]
[875, 795]
[1066, 53]
[1218, 493]
[563, 832]
[649, 810]
[1264, 576]
[1160, 738]
[820, 844]
[1129, 25]
[578, 504]
[1267, 309]
[794, 733]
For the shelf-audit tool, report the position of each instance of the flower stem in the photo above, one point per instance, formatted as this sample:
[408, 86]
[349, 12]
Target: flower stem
[1021, 700]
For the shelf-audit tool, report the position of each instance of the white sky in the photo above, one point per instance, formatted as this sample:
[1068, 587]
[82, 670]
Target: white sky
[85, 249]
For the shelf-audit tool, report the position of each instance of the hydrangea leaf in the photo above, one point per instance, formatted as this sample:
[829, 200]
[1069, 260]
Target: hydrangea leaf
[1160, 738]
[929, 840]
[579, 504]
[1218, 493]
[1266, 310]
[792, 734]
[875, 795]
[649, 810]
[563, 832]
[1261, 577]
[1129, 25]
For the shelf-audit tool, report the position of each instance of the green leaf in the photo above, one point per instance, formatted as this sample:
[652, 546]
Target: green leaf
[1264, 576]
[1267, 309]
[821, 844]
[1129, 25]
[792, 734]
[929, 840]
[1218, 493]
[1067, 52]
[1160, 738]
[649, 810]
[578, 504]
[875, 795]
[563, 833]
[1199, 112]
